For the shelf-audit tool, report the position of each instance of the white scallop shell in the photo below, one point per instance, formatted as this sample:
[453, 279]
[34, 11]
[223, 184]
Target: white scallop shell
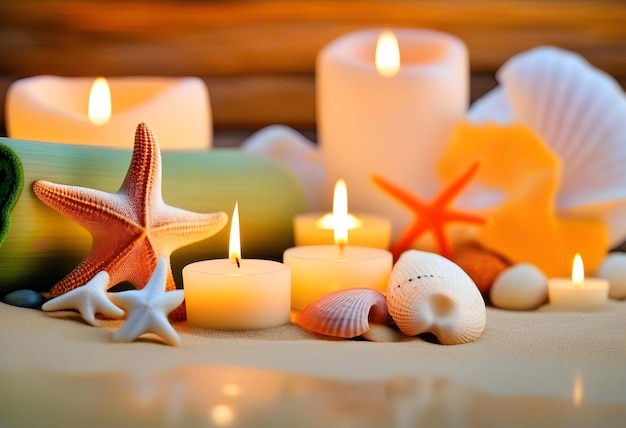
[580, 112]
[429, 293]
[345, 313]
[298, 153]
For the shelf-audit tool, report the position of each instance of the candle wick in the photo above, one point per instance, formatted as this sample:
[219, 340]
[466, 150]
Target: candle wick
[237, 261]
[342, 245]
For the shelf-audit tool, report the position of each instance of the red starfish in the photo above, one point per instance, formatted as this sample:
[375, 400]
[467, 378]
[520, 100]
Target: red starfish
[132, 228]
[431, 215]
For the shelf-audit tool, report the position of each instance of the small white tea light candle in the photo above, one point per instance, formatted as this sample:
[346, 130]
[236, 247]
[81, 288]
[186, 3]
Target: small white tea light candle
[81, 110]
[320, 269]
[578, 293]
[364, 230]
[236, 293]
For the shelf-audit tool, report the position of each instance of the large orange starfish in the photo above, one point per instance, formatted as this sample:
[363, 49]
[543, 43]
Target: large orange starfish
[430, 215]
[130, 228]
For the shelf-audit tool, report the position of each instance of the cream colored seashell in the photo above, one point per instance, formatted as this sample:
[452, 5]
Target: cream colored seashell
[298, 153]
[579, 111]
[345, 313]
[428, 293]
[521, 287]
[613, 269]
[383, 333]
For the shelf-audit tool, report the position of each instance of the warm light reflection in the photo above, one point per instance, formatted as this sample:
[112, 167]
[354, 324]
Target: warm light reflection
[231, 390]
[340, 212]
[222, 415]
[99, 110]
[578, 393]
[387, 54]
[578, 270]
[234, 246]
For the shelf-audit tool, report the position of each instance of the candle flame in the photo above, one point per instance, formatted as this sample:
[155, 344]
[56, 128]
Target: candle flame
[328, 221]
[234, 247]
[340, 213]
[578, 270]
[99, 111]
[387, 54]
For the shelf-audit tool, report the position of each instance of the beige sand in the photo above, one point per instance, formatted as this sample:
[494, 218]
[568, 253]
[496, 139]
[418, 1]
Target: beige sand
[538, 368]
[535, 353]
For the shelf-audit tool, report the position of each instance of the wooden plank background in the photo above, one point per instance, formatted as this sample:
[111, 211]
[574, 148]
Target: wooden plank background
[258, 56]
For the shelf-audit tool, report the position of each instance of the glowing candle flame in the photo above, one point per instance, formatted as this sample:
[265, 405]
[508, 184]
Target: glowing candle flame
[387, 54]
[578, 271]
[234, 246]
[99, 111]
[328, 220]
[340, 213]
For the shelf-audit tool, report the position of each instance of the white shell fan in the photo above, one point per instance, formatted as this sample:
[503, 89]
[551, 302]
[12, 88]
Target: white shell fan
[580, 112]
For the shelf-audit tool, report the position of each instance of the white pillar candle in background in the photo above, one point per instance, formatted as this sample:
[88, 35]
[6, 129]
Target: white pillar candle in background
[394, 124]
[55, 109]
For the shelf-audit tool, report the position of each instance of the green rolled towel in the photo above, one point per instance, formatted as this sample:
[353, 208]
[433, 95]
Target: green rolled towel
[43, 246]
[11, 182]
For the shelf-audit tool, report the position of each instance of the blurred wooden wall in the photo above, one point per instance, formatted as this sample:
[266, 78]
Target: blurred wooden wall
[258, 56]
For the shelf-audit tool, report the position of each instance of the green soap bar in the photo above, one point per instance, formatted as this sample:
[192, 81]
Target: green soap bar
[42, 246]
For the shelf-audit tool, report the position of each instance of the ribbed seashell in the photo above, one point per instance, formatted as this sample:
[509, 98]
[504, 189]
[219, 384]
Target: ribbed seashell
[579, 111]
[428, 293]
[345, 313]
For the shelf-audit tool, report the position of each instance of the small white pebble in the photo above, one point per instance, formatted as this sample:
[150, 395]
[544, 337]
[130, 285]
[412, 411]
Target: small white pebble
[613, 269]
[520, 287]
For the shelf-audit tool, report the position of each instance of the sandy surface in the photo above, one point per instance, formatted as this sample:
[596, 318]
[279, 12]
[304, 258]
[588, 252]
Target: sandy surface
[538, 353]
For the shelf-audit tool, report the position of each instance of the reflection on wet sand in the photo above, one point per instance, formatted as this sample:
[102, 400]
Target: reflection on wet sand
[205, 396]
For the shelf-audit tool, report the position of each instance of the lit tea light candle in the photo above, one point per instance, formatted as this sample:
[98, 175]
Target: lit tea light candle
[236, 293]
[364, 230]
[387, 102]
[105, 112]
[578, 293]
[320, 269]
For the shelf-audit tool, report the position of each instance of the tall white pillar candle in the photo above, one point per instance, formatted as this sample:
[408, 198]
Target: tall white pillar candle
[394, 125]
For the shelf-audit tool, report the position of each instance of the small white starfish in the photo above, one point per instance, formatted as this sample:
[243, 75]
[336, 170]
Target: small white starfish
[147, 309]
[89, 299]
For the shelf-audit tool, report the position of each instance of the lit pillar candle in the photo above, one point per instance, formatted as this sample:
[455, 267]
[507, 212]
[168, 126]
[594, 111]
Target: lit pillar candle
[390, 115]
[364, 230]
[56, 109]
[236, 293]
[320, 269]
[578, 293]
